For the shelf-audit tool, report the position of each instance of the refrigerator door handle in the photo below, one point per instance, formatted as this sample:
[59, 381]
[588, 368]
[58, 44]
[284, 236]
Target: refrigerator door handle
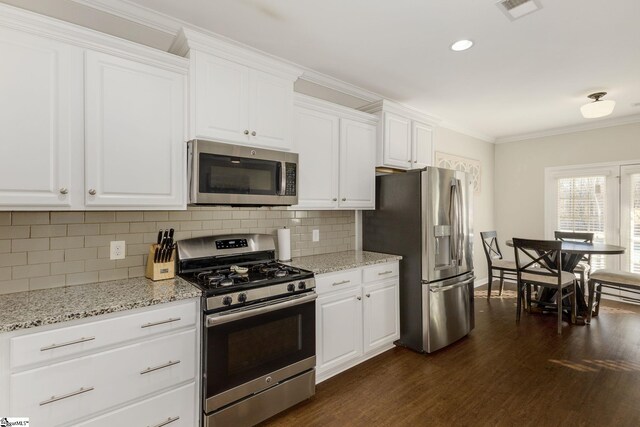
[459, 224]
[455, 213]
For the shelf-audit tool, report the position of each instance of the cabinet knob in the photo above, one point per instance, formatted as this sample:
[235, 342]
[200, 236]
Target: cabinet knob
[246, 132]
[64, 190]
[335, 199]
[344, 199]
[415, 161]
[253, 133]
[92, 192]
[359, 298]
[409, 160]
[368, 295]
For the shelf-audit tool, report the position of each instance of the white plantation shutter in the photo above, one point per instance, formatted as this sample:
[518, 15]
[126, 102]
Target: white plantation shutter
[634, 228]
[581, 207]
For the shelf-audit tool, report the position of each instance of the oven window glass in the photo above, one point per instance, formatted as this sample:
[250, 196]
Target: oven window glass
[262, 344]
[242, 350]
[237, 175]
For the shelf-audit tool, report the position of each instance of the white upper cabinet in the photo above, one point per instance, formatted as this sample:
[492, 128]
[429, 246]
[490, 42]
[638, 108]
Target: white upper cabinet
[238, 96]
[357, 164]
[405, 136]
[40, 121]
[134, 134]
[317, 137]
[397, 135]
[336, 147]
[88, 121]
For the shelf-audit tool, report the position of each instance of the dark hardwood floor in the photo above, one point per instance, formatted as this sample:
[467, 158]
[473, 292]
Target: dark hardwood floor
[500, 375]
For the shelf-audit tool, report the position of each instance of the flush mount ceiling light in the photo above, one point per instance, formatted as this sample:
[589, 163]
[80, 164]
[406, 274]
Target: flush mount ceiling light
[597, 108]
[461, 45]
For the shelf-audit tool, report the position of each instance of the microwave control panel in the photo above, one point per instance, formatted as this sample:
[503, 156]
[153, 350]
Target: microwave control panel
[290, 189]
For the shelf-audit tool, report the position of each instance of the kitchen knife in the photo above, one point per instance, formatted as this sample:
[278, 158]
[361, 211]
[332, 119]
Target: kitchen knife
[169, 249]
[163, 246]
[156, 255]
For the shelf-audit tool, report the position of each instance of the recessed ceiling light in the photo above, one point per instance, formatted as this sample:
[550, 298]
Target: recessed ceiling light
[461, 45]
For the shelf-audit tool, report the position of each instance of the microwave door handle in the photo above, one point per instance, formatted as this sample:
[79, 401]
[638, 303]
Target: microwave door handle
[283, 179]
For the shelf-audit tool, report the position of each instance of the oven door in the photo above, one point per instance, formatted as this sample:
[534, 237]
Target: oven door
[254, 348]
[237, 175]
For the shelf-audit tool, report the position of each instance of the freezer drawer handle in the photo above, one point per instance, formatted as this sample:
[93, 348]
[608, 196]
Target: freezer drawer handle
[162, 322]
[155, 368]
[342, 282]
[385, 272]
[64, 344]
[456, 285]
[168, 421]
[64, 396]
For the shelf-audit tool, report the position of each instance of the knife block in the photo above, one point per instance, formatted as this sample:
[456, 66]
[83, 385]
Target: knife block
[160, 270]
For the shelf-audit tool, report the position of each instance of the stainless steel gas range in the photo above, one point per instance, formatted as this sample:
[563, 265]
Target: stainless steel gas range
[258, 327]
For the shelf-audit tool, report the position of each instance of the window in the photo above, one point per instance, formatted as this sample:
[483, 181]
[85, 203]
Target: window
[630, 216]
[584, 199]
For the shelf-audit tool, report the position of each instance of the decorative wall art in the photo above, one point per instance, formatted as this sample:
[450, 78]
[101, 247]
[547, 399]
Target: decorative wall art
[471, 166]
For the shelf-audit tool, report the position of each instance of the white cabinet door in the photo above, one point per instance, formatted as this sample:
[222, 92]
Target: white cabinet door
[381, 315]
[220, 89]
[338, 329]
[270, 110]
[317, 137]
[422, 136]
[40, 122]
[357, 164]
[135, 148]
[397, 141]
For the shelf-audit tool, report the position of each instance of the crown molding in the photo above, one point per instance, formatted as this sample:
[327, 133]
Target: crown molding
[44, 26]
[401, 109]
[466, 131]
[328, 107]
[599, 124]
[136, 13]
[339, 85]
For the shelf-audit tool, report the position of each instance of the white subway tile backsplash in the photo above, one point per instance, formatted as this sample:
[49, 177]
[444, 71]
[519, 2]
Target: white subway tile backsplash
[48, 249]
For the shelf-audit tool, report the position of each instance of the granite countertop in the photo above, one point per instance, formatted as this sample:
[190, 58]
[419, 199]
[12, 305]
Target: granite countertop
[327, 263]
[24, 310]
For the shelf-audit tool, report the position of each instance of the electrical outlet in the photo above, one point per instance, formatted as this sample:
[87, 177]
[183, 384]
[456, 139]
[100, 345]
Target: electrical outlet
[315, 235]
[118, 249]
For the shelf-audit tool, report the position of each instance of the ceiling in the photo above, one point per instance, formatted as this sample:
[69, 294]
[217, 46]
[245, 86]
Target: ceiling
[521, 77]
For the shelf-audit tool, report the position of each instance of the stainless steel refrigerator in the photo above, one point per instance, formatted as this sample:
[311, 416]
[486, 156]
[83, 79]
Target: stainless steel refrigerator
[425, 216]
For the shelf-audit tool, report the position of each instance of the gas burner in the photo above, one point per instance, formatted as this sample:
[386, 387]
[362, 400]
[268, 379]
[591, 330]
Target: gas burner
[226, 282]
[281, 273]
[238, 278]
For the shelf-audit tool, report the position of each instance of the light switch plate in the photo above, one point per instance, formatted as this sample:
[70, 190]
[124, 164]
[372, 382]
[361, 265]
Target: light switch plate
[118, 249]
[315, 234]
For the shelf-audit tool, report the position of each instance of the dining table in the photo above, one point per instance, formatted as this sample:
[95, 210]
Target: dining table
[572, 253]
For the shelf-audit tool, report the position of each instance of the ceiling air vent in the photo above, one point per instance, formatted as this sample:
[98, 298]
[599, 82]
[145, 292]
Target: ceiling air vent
[515, 9]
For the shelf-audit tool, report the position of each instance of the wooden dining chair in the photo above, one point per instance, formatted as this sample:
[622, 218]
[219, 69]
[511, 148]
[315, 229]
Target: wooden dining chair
[495, 260]
[621, 281]
[584, 266]
[532, 260]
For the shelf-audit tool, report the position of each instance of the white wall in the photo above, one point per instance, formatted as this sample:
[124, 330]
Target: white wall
[448, 141]
[519, 175]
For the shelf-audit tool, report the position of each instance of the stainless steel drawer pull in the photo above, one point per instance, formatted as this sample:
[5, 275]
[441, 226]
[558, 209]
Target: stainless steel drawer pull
[162, 322]
[64, 344]
[155, 368]
[341, 282]
[64, 396]
[385, 272]
[168, 421]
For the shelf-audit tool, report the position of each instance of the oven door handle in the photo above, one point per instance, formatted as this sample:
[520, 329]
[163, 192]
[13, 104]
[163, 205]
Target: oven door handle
[220, 318]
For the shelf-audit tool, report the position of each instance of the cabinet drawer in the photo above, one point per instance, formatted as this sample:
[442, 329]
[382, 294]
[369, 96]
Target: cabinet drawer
[65, 391]
[71, 340]
[172, 409]
[337, 281]
[380, 272]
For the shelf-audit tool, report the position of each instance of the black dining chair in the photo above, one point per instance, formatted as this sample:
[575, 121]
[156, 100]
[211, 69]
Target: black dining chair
[495, 260]
[584, 266]
[532, 260]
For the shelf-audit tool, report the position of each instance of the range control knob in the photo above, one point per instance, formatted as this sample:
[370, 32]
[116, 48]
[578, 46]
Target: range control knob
[291, 287]
[227, 300]
[242, 297]
[302, 285]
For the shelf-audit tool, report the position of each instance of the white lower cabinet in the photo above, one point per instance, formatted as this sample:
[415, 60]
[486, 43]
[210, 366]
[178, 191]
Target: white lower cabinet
[357, 315]
[151, 377]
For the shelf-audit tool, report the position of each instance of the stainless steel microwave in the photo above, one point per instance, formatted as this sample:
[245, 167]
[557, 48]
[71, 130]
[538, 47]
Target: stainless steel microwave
[227, 174]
